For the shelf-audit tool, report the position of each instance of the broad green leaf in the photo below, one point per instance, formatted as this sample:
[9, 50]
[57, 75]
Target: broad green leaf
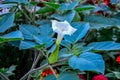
[12, 36]
[29, 31]
[44, 40]
[84, 8]
[104, 46]
[101, 21]
[68, 6]
[82, 29]
[7, 5]
[27, 44]
[88, 61]
[6, 22]
[46, 29]
[18, 1]
[68, 16]
[51, 4]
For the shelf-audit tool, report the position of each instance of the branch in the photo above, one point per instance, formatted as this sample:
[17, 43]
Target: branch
[35, 62]
[44, 66]
[3, 76]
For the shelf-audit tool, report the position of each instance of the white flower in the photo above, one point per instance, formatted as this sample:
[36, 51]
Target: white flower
[62, 28]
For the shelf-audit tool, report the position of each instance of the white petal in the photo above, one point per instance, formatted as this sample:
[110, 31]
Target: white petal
[63, 28]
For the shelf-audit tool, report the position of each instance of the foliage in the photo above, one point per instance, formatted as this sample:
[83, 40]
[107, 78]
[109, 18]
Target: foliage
[28, 26]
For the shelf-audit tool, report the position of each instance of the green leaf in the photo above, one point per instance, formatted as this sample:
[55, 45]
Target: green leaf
[117, 74]
[46, 29]
[6, 22]
[101, 21]
[84, 8]
[27, 44]
[64, 76]
[10, 70]
[45, 9]
[12, 36]
[51, 4]
[113, 74]
[50, 77]
[68, 16]
[7, 5]
[48, 41]
[88, 61]
[29, 31]
[17, 1]
[82, 29]
[68, 6]
[104, 46]
[68, 76]
[64, 52]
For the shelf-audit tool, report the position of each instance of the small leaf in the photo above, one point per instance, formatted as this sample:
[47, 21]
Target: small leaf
[113, 74]
[12, 36]
[84, 8]
[82, 29]
[51, 4]
[117, 74]
[88, 61]
[45, 9]
[6, 22]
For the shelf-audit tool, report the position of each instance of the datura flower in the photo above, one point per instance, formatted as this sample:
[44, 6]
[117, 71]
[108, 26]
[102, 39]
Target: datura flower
[61, 28]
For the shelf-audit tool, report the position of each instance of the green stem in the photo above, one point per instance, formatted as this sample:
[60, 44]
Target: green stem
[87, 75]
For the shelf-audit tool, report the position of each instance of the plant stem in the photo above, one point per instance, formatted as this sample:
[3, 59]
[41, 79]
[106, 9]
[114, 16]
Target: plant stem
[43, 67]
[34, 63]
[25, 14]
[52, 70]
[87, 75]
[3, 76]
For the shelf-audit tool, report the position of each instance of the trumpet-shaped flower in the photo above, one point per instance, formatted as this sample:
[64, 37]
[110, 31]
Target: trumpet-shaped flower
[62, 28]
